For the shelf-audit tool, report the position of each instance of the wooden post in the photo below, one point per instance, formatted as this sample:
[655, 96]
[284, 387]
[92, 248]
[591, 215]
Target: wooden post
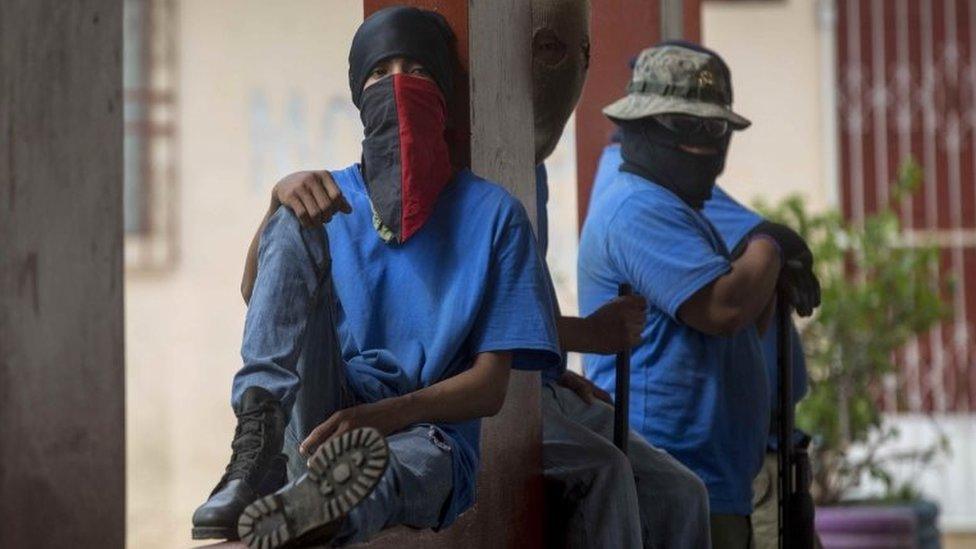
[62, 390]
[619, 30]
[672, 19]
[494, 45]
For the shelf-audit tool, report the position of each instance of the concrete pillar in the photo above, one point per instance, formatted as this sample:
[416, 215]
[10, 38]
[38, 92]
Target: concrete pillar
[672, 19]
[62, 474]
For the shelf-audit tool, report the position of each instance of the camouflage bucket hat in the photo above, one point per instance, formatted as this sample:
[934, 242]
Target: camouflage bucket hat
[671, 79]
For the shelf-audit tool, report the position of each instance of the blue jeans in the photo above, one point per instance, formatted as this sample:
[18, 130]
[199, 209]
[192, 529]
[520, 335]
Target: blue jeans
[291, 348]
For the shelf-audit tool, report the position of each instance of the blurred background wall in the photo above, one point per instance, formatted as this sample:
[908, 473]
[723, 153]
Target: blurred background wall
[258, 89]
[224, 97]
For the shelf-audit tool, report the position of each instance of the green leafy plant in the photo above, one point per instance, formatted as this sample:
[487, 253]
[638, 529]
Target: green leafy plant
[878, 293]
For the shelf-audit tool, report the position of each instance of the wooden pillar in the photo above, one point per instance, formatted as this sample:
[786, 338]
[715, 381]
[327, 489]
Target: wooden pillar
[494, 45]
[672, 19]
[619, 30]
[62, 471]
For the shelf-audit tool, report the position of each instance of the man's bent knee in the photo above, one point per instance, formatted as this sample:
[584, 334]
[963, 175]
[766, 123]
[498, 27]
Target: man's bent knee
[284, 229]
[690, 489]
[612, 465]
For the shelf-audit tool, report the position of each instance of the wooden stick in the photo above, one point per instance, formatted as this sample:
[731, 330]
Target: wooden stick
[621, 423]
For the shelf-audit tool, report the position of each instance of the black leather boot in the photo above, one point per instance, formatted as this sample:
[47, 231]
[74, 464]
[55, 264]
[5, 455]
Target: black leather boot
[257, 467]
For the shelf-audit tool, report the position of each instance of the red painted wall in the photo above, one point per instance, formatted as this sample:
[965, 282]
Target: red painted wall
[907, 88]
[619, 30]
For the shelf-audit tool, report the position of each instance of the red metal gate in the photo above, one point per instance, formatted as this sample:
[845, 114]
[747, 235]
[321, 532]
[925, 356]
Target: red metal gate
[907, 88]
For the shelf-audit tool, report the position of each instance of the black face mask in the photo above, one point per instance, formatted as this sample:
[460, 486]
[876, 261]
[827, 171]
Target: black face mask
[652, 151]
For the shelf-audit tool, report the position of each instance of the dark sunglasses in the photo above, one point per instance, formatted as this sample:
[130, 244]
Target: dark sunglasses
[687, 125]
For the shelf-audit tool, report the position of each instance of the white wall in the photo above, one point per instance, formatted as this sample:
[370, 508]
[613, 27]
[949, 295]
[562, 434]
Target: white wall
[950, 479]
[774, 51]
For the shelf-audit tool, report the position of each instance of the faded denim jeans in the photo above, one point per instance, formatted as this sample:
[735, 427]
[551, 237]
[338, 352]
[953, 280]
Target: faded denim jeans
[644, 499]
[291, 348]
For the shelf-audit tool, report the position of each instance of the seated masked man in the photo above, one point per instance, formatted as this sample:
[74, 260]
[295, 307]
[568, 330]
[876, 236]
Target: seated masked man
[698, 379]
[597, 496]
[391, 302]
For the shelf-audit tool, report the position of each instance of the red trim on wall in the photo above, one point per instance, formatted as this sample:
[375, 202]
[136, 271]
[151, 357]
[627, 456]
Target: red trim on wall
[692, 20]
[619, 30]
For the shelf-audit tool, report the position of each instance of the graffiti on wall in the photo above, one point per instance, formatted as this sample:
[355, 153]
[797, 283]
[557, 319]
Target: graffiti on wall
[299, 132]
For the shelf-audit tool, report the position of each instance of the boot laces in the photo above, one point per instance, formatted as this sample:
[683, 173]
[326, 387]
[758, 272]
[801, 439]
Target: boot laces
[248, 443]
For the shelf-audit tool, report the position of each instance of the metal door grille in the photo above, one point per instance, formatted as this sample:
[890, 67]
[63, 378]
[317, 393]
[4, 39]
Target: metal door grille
[907, 87]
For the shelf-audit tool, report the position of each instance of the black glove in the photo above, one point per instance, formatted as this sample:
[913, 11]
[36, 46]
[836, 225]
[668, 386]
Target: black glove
[797, 281]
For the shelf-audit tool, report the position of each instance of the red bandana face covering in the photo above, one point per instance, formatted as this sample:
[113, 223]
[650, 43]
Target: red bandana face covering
[405, 155]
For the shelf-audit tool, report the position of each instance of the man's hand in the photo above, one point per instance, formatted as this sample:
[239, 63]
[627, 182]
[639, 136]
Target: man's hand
[617, 325]
[801, 285]
[796, 278]
[378, 415]
[584, 388]
[313, 196]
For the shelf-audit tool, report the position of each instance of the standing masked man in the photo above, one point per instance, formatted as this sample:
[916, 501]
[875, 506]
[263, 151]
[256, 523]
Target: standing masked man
[735, 223]
[597, 496]
[391, 302]
[698, 379]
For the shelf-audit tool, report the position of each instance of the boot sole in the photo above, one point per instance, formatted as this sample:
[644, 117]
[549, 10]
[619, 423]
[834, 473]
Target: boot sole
[341, 473]
[214, 532]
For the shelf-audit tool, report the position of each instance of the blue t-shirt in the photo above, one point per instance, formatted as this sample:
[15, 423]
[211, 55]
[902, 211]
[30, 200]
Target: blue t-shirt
[551, 374]
[702, 398]
[410, 315]
[733, 221]
[542, 208]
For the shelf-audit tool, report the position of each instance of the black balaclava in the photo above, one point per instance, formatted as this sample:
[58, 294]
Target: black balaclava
[652, 151]
[401, 31]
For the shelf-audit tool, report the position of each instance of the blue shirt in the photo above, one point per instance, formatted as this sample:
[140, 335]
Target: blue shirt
[551, 374]
[410, 315]
[734, 222]
[702, 398]
[542, 208]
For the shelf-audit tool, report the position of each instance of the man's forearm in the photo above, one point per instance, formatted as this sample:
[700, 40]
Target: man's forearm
[477, 392]
[766, 316]
[251, 262]
[574, 337]
[752, 281]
